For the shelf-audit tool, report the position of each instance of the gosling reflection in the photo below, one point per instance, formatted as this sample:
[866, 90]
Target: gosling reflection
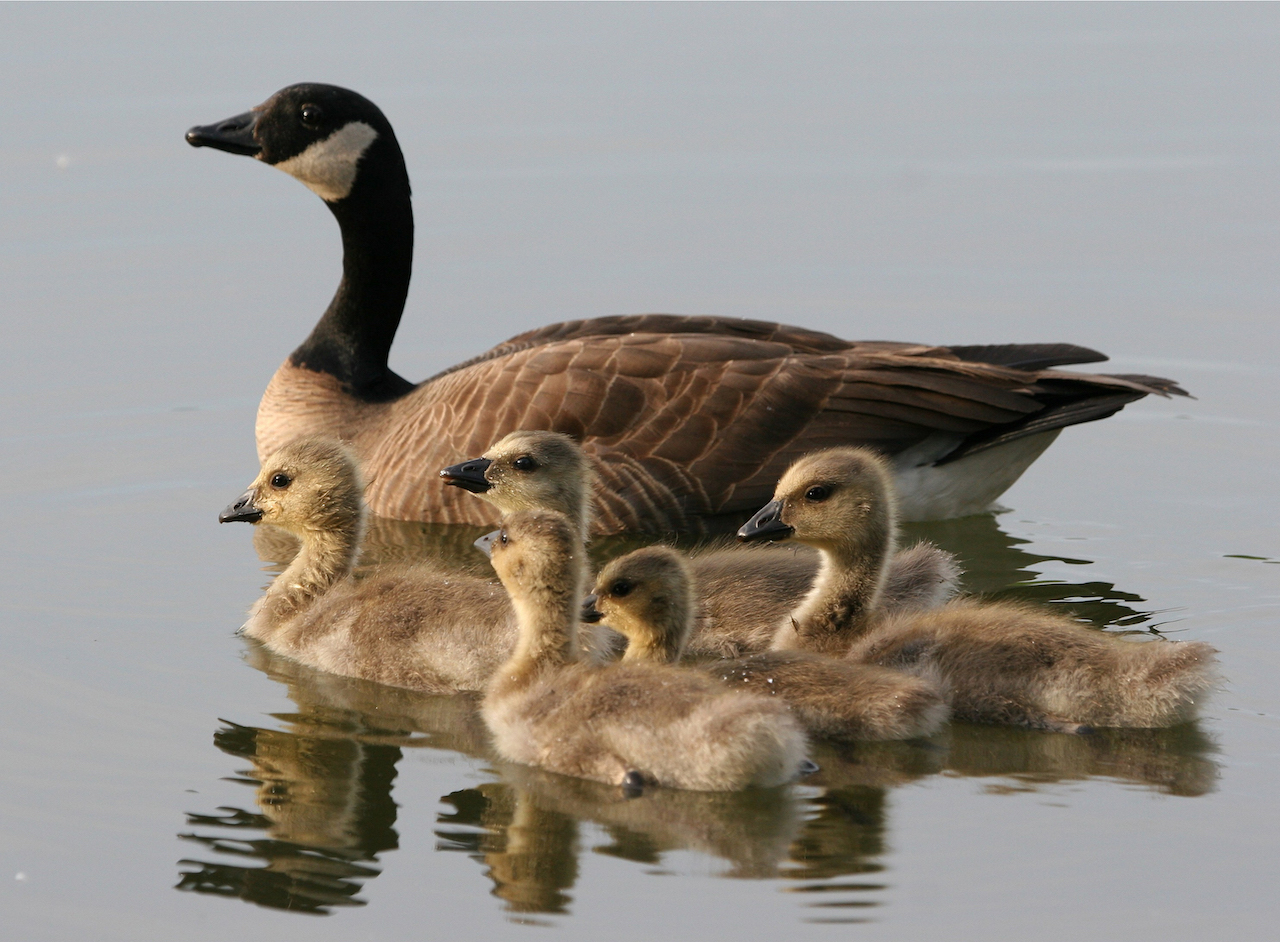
[1175, 761]
[526, 829]
[325, 808]
[529, 828]
[374, 713]
[530, 852]
[322, 786]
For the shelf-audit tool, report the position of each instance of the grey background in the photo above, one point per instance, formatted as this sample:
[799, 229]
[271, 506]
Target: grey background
[1100, 174]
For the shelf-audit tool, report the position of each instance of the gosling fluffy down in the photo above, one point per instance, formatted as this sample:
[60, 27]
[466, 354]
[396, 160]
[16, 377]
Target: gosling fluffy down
[996, 662]
[741, 592]
[647, 596]
[626, 724]
[407, 626]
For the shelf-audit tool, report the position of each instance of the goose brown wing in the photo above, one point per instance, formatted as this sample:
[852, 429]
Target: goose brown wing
[798, 339]
[1026, 356]
[690, 424]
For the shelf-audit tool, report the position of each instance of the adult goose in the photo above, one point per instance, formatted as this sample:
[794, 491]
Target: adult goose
[685, 418]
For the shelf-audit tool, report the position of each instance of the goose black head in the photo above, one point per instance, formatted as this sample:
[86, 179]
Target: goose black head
[316, 133]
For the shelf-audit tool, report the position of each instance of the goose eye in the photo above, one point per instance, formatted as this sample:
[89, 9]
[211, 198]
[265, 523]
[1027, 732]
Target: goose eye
[524, 463]
[312, 115]
[620, 589]
[817, 494]
[280, 480]
[502, 537]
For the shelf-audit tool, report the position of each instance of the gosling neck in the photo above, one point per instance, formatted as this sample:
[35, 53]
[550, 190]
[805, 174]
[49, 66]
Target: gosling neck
[326, 558]
[353, 338]
[842, 605]
[548, 631]
[658, 640]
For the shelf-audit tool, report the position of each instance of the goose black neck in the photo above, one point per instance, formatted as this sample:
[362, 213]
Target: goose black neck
[353, 339]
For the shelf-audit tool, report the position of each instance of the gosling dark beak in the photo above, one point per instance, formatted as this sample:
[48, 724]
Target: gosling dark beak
[469, 475]
[244, 509]
[234, 135]
[765, 525]
[485, 543]
[591, 614]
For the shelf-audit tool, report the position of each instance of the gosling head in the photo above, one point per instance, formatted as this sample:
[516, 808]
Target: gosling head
[840, 501]
[536, 552]
[529, 470]
[310, 486]
[319, 134]
[648, 597]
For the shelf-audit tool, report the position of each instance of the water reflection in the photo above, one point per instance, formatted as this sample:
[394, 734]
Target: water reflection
[326, 812]
[322, 786]
[1175, 761]
[322, 780]
[996, 566]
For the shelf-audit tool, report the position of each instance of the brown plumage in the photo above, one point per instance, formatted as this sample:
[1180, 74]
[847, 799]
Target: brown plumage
[625, 724]
[686, 419]
[996, 662]
[648, 597]
[406, 626]
[742, 593]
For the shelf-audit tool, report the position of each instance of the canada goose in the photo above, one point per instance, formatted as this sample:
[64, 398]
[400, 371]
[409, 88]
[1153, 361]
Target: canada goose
[622, 724]
[997, 662]
[742, 592]
[685, 419]
[404, 626]
[647, 596]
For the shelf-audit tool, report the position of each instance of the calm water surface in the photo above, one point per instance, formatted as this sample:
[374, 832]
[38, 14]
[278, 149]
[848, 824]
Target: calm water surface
[1104, 175]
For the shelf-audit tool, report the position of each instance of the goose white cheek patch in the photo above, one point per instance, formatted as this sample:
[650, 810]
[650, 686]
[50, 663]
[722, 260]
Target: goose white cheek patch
[328, 167]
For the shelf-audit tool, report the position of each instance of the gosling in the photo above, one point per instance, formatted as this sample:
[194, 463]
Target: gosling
[741, 593]
[404, 626]
[648, 597]
[625, 724]
[997, 662]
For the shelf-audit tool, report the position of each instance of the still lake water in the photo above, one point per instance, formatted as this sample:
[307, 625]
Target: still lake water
[1104, 175]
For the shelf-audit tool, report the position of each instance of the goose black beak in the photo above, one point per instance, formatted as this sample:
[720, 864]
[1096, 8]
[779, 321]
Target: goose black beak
[485, 543]
[590, 614]
[765, 525]
[234, 135]
[243, 510]
[469, 475]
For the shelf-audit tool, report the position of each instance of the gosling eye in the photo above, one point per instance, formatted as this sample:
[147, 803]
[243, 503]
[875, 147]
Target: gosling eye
[280, 480]
[817, 494]
[620, 589]
[525, 463]
[312, 116]
[502, 537]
